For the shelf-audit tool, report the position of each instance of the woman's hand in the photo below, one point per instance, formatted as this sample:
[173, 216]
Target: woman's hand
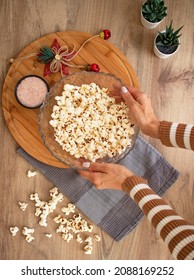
[105, 175]
[140, 111]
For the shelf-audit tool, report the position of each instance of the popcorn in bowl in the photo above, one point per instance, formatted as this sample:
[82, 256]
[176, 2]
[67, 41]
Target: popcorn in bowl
[89, 124]
[81, 120]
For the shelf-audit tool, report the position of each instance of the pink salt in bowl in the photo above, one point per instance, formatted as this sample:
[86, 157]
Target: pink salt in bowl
[30, 91]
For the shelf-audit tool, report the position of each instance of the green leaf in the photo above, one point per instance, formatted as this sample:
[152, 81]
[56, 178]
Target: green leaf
[177, 31]
[144, 10]
[159, 44]
[148, 9]
[152, 16]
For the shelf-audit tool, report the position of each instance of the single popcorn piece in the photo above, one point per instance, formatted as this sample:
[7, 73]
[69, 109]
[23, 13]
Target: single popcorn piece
[66, 211]
[62, 229]
[38, 212]
[88, 249]
[57, 219]
[28, 233]
[43, 222]
[88, 123]
[78, 238]
[97, 237]
[14, 230]
[67, 236]
[27, 230]
[49, 235]
[31, 173]
[23, 205]
[54, 192]
[69, 209]
[29, 238]
[34, 196]
[60, 220]
[90, 228]
[89, 240]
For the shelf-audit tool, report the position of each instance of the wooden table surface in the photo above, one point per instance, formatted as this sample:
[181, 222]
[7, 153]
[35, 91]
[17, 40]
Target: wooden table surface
[169, 84]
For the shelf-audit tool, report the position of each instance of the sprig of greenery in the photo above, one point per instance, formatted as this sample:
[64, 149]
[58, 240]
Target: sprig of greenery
[45, 55]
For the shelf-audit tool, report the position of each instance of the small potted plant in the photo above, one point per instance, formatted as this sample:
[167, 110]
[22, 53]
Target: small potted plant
[152, 13]
[167, 42]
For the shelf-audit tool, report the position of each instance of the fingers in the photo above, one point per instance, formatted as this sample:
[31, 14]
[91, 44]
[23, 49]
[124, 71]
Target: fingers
[96, 167]
[127, 96]
[93, 176]
[130, 95]
[86, 174]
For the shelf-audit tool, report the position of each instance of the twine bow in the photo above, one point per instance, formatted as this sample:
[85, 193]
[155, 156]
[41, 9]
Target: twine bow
[62, 55]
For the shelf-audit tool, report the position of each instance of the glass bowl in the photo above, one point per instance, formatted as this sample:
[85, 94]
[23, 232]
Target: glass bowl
[46, 130]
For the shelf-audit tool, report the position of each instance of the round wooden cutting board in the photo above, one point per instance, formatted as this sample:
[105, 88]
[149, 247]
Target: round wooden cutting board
[22, 122]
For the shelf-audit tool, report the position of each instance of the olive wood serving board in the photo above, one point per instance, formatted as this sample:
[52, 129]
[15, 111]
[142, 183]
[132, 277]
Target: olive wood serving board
[23, 122]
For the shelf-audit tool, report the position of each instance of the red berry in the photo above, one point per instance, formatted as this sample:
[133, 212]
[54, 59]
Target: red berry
[93, 67]
[105, 34]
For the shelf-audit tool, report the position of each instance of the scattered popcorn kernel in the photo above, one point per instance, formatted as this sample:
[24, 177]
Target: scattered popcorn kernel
[71, 206]
[53, 192]
[90, 228]
[66, 211]
[23, 205]
[31, 173]
[57, 219]
[34, 196]
[38, 212]
[28, 233]
[97, 237]
[43, 223]
[69, 209]
[29, 238]
[67, 236]
[27, 230]
[63, 221]
[88, 249]
[62, 229]
[14, 230]
[49, 235]
[89, 240]
[60, 220]
[78, 238]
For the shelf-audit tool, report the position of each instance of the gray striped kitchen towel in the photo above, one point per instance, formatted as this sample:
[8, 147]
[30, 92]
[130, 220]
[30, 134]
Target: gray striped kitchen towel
[113, 211]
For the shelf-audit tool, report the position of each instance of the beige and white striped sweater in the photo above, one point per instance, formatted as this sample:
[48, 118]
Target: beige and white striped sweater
[177, 233]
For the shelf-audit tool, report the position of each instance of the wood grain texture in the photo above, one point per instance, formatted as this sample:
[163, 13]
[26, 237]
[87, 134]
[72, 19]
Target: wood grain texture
[169, 84]
[23, 122]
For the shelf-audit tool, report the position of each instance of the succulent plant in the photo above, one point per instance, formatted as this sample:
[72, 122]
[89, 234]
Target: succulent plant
[154, 10]
[167, 41]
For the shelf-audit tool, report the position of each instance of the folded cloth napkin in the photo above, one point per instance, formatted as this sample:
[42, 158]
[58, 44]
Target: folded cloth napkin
[113, 211]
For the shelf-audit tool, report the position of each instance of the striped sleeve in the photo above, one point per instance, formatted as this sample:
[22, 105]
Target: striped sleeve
[177, 233]
[177, 135]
